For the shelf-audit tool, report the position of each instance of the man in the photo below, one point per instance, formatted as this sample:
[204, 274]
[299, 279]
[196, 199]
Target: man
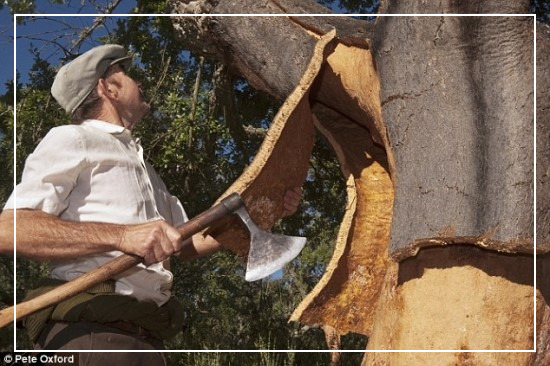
[86, 195]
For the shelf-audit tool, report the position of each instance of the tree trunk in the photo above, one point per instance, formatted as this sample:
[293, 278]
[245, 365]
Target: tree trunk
[432, 121]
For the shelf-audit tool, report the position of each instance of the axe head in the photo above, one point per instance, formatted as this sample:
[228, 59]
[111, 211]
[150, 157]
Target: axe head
[268, 252]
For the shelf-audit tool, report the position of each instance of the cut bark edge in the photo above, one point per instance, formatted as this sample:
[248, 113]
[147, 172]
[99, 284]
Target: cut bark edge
[518, 246]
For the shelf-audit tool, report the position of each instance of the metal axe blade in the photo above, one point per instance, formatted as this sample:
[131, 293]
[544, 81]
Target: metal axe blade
[268, 252]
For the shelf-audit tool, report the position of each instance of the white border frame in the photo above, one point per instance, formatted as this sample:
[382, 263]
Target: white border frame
[294, 15]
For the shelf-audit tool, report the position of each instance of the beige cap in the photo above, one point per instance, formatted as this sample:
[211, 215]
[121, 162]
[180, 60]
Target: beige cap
[76, 80]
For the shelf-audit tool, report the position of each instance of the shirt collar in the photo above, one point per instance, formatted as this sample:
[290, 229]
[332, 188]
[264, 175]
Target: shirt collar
[105, 126]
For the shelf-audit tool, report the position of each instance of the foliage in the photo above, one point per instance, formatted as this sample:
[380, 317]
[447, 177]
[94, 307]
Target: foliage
[352, 6]
[19, 6]
[542, 9]
[37, 112]
[6, 142]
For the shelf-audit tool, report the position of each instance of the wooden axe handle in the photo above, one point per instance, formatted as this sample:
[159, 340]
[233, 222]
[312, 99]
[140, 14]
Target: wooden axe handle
[116, 266]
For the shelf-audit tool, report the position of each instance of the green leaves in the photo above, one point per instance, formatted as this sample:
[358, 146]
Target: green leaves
[19, 6]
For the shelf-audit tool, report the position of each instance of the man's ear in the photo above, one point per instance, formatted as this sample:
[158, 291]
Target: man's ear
[106, 89]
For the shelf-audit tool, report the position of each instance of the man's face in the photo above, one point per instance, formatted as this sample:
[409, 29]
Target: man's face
[130, 102]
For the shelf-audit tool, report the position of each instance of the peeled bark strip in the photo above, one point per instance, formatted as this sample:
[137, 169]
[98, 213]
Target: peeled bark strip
[346, 296]
[332, 337]
[280, 164]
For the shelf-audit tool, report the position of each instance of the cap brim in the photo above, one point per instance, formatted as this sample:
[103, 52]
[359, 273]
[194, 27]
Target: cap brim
[126, 61]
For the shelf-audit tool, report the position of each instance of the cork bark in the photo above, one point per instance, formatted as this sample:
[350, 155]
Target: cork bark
[457, 100]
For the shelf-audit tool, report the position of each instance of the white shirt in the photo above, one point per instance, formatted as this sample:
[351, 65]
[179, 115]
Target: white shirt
[95, 172]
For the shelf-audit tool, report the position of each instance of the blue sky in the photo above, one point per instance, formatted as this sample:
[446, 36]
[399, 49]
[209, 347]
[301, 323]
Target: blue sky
[36, 33]
[6, 47]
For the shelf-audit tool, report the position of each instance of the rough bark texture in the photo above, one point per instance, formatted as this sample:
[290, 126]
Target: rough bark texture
[543, 139]
[543, 192]
[457, 100]
[455, 7]
[272, 53]
[432, 122]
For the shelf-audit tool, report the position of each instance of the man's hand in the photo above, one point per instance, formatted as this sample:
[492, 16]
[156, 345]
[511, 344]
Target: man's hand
[154, 241]
[200, 246]
[291, 201]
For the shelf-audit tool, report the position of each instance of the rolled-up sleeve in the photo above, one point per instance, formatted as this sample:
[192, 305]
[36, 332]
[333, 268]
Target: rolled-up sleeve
[50, 172]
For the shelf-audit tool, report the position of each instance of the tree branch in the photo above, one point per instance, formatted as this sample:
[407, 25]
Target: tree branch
[196, 89]
[86, 32]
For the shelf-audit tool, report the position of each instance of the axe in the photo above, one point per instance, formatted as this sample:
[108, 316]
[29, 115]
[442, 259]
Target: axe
[268, 253]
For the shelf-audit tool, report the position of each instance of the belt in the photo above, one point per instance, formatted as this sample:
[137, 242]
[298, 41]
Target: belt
[131, 328]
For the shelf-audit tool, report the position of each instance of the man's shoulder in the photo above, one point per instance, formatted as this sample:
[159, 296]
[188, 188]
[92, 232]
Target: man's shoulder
[65, 128]
[71, 137]
[65, 134]
[81, 133]
[66, 131]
